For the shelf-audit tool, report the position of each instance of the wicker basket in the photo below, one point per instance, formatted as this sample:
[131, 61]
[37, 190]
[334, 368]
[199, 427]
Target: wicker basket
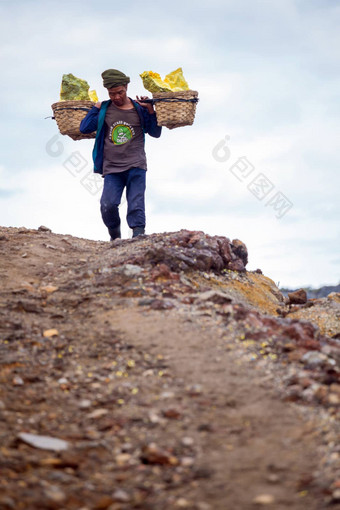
[69, 114]
[175, 109]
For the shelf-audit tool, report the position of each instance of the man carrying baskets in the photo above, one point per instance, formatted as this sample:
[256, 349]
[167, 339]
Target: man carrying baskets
[119, 151]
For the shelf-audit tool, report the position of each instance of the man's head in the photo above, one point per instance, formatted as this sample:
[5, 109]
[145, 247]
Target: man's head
[116, 83]
[118, 94]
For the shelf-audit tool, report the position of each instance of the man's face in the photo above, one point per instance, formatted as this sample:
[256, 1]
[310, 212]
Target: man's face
[118, 94]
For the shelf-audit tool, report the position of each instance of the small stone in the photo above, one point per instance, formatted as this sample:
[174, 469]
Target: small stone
[53, 493]
[273, 478]
[98, 413]
[172, 413]
[42, 228]
[43, 442]
[264, 499]
[123, 459]
[166, 395]
[17, 381]
[49, 333]
[187, 441]
[187, 461]
[336, 496]
[49, 288]
[155, 418]
[62, 380]
[85, 403]
[334, 399]
[195, 389]
[162, 304]
[182, 503]
[120, 495]
[203, 506]
[152, 454]
[131, 270]
[2, 405]
[314, 358]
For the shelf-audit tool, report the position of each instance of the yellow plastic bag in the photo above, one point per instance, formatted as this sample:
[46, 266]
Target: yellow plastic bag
[173, 82]
[76, 89]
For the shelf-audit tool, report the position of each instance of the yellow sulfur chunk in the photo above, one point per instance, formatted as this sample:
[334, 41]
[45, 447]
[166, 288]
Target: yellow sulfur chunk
[173, 82]
[93, 96]
[76, 89]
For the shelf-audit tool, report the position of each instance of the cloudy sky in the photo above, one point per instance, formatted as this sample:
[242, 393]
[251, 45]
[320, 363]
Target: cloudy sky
[261, 162]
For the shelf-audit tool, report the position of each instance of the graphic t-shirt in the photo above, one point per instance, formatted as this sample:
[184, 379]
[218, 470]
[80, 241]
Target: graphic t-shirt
[124, 141]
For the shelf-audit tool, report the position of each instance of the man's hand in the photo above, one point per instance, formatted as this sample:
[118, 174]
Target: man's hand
[98, 105]
[149, 106]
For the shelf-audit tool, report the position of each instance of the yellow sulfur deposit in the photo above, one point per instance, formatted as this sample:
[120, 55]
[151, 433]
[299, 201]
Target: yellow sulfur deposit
[93, 96]
[173, 81]
[76, 89]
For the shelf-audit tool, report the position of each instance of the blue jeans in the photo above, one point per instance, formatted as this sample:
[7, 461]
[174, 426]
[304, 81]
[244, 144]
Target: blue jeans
[114, 184]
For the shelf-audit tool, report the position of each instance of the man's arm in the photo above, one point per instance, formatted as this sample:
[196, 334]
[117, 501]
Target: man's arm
[90, 122]
[151, 126]
[150, 119]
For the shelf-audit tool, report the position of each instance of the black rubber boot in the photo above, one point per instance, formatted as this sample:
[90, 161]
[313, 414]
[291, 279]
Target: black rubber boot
[115, 233]
[138, 231]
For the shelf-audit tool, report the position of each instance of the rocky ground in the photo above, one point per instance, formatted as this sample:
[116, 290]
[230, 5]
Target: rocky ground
[157, 373]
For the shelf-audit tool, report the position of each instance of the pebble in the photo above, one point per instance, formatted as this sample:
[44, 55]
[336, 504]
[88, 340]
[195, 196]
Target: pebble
[182, 503]
[167, 394]
[123, 459]
[273, 478]
[334, 399]
[17, 381]
[187, 461]
[195, 389]
[49, 333]
[55, 494]
[152, 454]
[85, 403]
[187, 441]
[203, 506]
[98, 413]
[336, 496]
[2, 405]
[264, 499]
[120, 495]
[44, 442]
[132, 270]
[49, 288]
[314, 358]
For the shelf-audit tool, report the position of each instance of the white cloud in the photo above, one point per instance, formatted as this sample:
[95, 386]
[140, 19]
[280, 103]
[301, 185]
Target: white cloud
[267, 76]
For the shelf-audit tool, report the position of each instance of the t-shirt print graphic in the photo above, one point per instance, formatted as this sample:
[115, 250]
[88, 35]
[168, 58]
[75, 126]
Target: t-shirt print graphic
[121, 132]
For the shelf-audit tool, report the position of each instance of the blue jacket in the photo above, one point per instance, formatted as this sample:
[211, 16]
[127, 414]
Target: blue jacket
[94, 120]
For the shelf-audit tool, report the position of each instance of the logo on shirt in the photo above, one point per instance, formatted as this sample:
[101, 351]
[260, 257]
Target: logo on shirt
[121, 132]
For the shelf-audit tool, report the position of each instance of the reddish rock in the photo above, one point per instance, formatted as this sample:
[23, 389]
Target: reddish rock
[298, 297]
[152, 454]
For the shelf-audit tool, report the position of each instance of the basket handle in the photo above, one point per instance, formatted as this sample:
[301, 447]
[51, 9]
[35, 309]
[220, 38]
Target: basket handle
[170, 100]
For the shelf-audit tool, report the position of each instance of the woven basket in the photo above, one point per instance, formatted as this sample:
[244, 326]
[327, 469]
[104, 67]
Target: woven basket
[175, 109]
[69, 114]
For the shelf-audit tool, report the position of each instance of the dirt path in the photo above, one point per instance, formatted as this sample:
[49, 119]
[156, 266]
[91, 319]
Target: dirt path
[168, 392]
[247, 440]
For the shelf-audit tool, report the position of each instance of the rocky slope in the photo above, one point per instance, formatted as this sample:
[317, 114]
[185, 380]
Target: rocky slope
[158, 373]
